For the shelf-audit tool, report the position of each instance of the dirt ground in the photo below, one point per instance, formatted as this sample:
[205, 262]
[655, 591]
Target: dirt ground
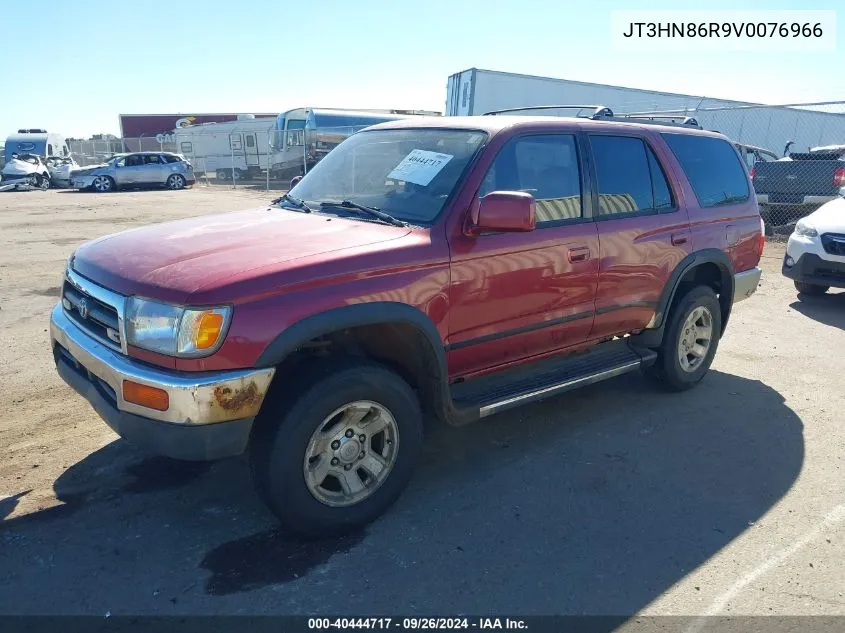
[616, 499]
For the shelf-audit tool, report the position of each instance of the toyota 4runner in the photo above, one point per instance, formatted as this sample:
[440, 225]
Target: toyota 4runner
[443, 268]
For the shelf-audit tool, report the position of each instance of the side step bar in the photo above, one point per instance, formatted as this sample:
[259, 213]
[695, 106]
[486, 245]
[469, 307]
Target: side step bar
[511, 388]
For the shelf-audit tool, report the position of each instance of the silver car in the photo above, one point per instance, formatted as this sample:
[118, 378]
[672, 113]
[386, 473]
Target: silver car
[137, 169]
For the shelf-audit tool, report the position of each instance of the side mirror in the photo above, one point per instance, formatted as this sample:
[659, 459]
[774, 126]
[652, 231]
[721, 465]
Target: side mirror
[294, 181]
[504, 212]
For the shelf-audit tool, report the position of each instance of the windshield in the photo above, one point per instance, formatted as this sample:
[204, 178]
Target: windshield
[408, 173]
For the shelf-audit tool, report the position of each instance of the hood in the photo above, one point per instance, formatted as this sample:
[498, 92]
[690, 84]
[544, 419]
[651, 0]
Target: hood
[17, 167]
[829, 218]
[172, 260]
[76, 169]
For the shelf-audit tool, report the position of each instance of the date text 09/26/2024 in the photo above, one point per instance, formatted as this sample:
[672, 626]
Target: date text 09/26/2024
[431, 624]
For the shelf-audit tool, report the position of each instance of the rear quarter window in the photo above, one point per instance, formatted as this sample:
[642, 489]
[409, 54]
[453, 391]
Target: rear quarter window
[713, 168]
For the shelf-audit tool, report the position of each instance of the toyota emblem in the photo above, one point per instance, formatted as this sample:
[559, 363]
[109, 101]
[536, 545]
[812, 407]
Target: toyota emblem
[83, 309]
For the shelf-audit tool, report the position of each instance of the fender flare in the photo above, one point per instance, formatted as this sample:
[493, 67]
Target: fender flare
[654, 333]
[373, 313]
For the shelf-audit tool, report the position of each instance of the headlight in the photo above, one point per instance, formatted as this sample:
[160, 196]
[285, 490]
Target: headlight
[807, 230]
[175, 330]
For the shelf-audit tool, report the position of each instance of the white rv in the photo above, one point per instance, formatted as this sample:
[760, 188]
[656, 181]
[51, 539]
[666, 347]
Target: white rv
[37, 142]
[302, 136]
[234, 149]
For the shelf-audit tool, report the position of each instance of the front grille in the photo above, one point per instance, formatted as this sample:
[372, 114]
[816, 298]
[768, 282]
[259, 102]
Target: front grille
[97, 318]
[834, 243]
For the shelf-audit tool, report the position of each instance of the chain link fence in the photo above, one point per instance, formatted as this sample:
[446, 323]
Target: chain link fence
[795, 153]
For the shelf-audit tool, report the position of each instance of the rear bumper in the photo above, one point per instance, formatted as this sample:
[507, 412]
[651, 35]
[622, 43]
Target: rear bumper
[805, 201]
[812, 269]
[210, 414]
[745, 283]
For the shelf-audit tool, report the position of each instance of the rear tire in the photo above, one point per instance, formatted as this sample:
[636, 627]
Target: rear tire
[175, 182]
[811, 290]
[309, 461]
[686, 352]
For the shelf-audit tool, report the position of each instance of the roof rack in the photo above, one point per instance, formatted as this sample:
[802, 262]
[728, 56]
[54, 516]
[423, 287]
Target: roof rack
[598, 110]
[606, 114]
[652, 119]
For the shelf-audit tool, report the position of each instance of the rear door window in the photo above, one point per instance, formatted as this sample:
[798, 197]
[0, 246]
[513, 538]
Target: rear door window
[152, 159]
[546, 166]
[713, 168]
[623, 175]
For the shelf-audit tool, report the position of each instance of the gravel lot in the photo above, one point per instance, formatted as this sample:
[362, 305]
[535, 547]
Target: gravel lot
[616, 499]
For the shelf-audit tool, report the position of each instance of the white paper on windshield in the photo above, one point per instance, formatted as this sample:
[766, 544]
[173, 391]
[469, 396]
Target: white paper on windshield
[420, 166]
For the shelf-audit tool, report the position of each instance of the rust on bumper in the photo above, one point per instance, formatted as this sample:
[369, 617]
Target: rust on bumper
[195, 398]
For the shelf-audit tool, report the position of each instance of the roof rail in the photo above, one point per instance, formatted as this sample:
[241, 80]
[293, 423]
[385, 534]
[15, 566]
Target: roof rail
[598, 110]
[681, 120]
[606, 114]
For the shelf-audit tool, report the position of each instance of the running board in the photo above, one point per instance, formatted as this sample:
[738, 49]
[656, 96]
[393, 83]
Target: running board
[511, 388]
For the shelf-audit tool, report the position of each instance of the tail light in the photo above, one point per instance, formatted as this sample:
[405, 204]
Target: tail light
[753, 173]
[839, 177]
[762, 243]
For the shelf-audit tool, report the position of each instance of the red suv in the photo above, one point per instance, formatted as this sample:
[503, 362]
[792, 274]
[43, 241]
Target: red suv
[443, 268]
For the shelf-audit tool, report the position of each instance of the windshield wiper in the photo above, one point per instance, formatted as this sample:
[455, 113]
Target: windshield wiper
[295, 202]
[372, 211]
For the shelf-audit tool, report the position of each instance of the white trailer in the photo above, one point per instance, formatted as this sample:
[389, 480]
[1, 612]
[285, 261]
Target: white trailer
[231, 150]
[475, 91]
[37, 142]
[303, 136]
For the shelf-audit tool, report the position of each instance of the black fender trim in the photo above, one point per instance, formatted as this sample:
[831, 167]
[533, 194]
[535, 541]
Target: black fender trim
[348, 317]
[652, 336]
[374, 313]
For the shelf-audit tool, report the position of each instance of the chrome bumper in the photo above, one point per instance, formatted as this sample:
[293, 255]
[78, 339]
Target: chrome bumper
[745, 283]
[195, 399]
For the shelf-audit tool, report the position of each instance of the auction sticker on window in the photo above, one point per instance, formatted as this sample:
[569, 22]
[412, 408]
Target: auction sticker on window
[420, 167]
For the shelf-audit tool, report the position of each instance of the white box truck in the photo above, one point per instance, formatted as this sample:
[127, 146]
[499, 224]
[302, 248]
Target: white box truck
[476, 91]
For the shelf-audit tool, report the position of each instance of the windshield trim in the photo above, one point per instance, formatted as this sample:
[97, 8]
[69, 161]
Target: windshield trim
[447, 203]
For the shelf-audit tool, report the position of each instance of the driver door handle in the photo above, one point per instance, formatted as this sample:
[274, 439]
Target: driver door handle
[578, 254]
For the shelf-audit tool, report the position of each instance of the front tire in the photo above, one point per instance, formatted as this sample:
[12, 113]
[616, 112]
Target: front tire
[689, 342]
[336, 457]
[102, 184]
[811, 290]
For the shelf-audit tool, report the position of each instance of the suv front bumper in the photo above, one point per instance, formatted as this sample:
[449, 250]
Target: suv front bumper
[809, 268]
[209, 415]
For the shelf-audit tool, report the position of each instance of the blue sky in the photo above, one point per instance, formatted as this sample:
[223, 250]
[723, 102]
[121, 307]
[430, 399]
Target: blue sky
[99, 59]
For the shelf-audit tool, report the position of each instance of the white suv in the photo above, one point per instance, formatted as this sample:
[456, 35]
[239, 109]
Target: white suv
[815, 254]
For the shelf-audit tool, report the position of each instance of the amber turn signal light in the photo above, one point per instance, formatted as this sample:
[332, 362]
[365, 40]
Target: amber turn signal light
[208, 329]
[145, 396]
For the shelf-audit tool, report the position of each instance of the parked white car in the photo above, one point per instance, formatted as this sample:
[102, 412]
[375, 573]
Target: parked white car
[815, 254]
